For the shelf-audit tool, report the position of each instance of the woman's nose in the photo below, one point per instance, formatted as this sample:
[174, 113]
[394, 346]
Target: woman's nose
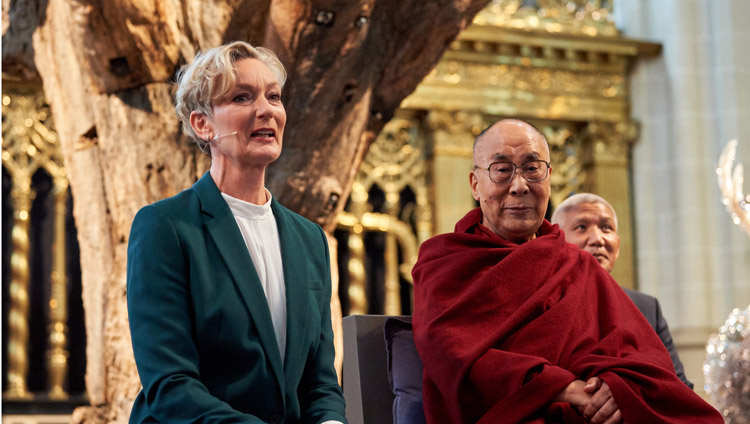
[263, 107]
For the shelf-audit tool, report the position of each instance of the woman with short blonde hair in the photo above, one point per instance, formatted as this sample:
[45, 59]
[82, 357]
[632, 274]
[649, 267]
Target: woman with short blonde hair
[228, 291]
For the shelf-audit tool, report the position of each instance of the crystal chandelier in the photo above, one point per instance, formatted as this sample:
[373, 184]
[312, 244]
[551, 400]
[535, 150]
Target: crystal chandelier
[730, 183]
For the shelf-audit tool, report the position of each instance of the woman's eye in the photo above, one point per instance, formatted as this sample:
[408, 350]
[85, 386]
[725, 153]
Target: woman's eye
[580, 227]
[274, 96]
[240, 98]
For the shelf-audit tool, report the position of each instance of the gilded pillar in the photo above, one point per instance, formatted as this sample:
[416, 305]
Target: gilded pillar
[392, 280]
[356, 245]
[30, 146]
[17, 150]
[57, 354]
[610, 178]
[453, 136]
[18, 316]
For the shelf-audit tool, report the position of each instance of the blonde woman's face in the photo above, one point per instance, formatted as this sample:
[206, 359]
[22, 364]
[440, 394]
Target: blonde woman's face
[248, 124]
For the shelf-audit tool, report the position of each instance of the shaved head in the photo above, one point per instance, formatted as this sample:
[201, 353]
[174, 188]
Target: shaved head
[513, 208]
[519, 122]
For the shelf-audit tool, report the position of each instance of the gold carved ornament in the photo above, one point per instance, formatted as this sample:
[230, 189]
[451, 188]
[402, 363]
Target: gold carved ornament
[28, 146]
[393, 163]
[585, 17]
[569, 161]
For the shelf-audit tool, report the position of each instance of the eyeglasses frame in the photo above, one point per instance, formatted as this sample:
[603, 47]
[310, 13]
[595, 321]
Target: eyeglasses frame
[516, 167]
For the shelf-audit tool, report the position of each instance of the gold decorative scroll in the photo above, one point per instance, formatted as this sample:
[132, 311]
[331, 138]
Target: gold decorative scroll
[569, 158]
[28, 146]
[612, 141]
[402, 235]
[383, 223]
[395, 161]
[582, 17]
[535, 62]
[453, 133]
[498, 72]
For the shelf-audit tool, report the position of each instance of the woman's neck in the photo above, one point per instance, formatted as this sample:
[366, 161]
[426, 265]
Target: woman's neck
[247, 183]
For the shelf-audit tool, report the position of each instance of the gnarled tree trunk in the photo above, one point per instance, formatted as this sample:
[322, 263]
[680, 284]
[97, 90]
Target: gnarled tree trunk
[106, 68]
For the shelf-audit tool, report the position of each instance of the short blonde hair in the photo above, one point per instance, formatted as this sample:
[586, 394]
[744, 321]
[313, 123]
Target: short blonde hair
[212, 75]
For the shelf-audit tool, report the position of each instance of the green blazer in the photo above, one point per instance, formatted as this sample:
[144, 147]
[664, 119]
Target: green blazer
[201, 327]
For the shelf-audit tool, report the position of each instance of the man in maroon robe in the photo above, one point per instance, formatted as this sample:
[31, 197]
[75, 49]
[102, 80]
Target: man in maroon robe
[514, 325]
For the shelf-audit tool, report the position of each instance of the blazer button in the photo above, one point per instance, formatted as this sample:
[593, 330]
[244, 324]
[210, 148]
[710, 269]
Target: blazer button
[274, 419]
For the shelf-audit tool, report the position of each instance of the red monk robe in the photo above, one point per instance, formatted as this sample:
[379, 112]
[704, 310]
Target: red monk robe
[502, 328]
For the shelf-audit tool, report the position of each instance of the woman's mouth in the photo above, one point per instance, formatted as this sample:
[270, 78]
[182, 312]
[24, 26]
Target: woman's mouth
[263, 133]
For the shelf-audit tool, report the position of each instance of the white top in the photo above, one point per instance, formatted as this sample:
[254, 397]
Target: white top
[258, 227]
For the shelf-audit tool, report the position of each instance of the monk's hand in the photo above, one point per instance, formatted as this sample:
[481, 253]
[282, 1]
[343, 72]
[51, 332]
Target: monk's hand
[602, 408]
[575, 395]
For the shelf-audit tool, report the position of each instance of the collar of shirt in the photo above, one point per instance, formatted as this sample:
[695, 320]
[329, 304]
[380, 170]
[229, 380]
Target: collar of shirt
[249, 210]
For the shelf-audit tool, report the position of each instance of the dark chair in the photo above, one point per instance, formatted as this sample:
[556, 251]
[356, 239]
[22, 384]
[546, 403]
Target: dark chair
[369, 399]
[380, 359]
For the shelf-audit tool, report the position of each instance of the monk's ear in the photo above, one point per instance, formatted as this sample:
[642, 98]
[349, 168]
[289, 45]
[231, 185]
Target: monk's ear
[473, 182]
[201, 125]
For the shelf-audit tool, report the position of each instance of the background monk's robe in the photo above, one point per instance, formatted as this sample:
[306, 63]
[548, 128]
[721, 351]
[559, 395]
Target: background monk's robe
[502, 328]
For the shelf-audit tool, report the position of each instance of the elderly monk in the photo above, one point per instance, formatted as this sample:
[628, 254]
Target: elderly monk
[590, 223]
[514, 325]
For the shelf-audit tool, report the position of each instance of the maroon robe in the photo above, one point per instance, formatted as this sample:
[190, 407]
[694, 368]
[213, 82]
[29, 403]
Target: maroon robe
[502, 328]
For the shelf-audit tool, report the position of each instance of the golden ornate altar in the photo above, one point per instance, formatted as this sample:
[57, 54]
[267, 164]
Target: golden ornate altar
[561, 65]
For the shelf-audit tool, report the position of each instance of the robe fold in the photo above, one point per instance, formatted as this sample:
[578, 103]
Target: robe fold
[502, 328]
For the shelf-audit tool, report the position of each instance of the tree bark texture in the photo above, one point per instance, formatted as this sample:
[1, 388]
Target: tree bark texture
[106, 68]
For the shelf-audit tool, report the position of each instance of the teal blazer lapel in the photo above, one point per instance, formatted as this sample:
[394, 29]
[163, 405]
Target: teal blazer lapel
[226, 234]
[295, 262]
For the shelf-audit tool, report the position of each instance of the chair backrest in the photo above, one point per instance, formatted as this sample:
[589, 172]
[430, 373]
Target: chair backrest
[369, 399]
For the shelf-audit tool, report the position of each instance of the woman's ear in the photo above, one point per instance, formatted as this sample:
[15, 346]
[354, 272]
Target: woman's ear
[201, 125]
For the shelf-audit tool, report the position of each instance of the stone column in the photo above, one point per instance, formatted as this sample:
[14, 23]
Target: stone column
[690, 102]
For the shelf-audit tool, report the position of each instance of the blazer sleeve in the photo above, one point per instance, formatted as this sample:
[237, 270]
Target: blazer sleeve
[161, 328]
[319, 392]
[662, 329]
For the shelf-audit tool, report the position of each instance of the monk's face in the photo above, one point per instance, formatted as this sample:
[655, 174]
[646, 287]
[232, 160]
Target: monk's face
[591, 226]
[513, 209]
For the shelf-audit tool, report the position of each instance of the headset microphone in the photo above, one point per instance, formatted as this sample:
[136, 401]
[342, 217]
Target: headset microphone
[218, 137]
[204, 147]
